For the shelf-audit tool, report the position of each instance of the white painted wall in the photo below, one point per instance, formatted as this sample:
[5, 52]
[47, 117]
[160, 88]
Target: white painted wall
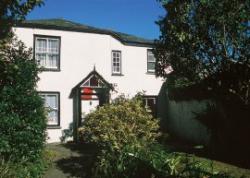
[79, 53]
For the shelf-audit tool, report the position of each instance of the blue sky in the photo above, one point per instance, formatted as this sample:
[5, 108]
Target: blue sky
[135, 17]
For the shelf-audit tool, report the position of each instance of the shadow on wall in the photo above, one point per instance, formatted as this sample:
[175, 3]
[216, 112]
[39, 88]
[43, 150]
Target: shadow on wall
[162, 105]
[178, 117]
[182, 120]
[221, 123]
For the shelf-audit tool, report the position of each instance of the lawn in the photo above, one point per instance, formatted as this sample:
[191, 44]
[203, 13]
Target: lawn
[74, 160]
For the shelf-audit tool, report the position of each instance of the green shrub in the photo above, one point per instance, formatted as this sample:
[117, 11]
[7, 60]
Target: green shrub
[119, 129]
[23, 121]
[123, 122]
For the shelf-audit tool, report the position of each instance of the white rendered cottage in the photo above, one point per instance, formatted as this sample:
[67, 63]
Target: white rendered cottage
[84, 67]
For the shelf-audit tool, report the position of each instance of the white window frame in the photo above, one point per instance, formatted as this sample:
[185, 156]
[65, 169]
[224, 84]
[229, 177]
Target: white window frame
[150, 97]
[47, 52]
[149, 61]
[48, 109]
[119, 63]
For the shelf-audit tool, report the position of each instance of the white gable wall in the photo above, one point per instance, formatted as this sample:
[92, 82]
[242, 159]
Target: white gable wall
[79, 53]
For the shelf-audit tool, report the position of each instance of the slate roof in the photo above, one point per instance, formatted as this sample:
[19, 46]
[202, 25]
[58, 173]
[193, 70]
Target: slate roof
[62, 24]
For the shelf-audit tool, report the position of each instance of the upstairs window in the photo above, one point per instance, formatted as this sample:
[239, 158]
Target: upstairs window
[51, 104]
[150, 61]
[47, 52]
[116, 63]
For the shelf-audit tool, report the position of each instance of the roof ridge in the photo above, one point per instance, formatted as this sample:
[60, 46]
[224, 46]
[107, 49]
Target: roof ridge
[68, 25]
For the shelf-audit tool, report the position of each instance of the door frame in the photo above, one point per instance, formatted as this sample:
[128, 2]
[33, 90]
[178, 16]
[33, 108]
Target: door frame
[102, 90]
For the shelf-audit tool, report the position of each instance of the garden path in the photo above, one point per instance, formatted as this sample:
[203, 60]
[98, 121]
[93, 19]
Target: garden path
[70, 161]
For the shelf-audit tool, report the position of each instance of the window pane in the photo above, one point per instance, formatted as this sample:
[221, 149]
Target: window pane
[53, 46]
[87, 83]
[53, 118]
[116, 69]
[41, 59]
[151, 57]
[52, 101]
[52, 61]
[41, 45]
[151, 66]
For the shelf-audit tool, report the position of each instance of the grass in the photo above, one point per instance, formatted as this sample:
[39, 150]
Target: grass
[24, 169]
[213, 166]
[77, 160]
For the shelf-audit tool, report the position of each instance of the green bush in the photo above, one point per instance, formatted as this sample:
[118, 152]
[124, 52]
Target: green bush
[116, 128]
[123, 122]
[23, 121]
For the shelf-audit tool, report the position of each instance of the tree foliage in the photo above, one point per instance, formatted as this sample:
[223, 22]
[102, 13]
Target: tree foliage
[206, 41]
[12, 11]
[22, 117]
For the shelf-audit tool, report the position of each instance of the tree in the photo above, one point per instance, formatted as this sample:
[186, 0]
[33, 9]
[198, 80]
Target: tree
[13, 11]
[207, 41]
[23, 120]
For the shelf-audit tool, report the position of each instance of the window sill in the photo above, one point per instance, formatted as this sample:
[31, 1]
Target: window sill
[49, 70]
[150, 73]
[53, 127]
[117, 75]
